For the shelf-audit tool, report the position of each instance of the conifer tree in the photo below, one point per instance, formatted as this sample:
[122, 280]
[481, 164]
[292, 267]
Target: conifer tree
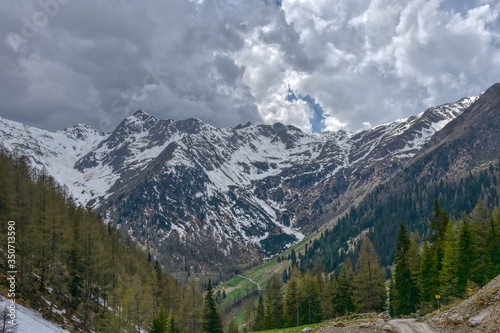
[274, 296]
[193, 306]
[268, 320]
[369, 282]
[439, 221]
[405, 288]
[480, 219]
[344, 302]
[414, 265]
[428, 275]
[160, 322]
[310, 307]
[259, 315]
[433, 255]
[212, 322]
[466, 256]
[172, 325]
[292, 301]
[293, 257]
[448, 274]
[493, 244]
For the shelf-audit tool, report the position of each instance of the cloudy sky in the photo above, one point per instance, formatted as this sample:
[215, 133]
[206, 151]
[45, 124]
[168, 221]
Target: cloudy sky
[316, 64]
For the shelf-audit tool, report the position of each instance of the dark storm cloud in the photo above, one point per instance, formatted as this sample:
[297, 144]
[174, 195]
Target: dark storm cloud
[233, 61]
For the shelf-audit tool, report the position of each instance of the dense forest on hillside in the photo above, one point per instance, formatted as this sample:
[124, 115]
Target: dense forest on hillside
[379, 213]
[454, 260]
[68, 259]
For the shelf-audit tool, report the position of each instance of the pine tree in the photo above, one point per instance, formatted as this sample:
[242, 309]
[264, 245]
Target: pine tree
[428, 275]
[466, 256]
[160, 322]
[293, 257]
[75, 270]
[172, 325]
[344, 301]
[438, 223]
[310, 307]
[259, 315]
[405, 288]
[274, 295]
[369, 283]
[493, 244]
[212, 322]
[480, 219]
[448, 274]
[432, 260]
[414, 265]
[268, 320]
[292, 301]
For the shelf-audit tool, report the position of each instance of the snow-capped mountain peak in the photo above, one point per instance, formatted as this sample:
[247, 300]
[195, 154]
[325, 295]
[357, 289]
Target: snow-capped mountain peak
[258, 187]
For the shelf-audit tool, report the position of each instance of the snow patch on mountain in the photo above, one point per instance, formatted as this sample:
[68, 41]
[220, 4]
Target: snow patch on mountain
[244, 183]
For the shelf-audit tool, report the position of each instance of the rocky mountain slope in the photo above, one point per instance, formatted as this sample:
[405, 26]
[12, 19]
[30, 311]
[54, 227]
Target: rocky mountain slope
[479, 313]
[193, 194]
[470, 141]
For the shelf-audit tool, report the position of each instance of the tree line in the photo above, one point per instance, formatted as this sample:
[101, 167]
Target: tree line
[401, 199]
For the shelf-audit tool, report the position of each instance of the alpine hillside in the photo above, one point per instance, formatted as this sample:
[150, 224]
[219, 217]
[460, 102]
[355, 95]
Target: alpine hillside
[197, 196]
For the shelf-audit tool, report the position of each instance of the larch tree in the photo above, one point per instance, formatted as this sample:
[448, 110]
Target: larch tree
[369, 282]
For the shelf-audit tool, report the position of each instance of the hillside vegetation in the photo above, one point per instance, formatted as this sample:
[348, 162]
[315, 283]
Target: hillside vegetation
[80, 272]
[330, 259]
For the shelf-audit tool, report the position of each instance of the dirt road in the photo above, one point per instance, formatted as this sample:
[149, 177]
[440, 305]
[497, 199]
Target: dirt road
[409, 326]
[244, 277]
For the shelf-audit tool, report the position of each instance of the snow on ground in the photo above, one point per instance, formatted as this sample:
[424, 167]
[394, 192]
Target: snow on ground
[30, 321]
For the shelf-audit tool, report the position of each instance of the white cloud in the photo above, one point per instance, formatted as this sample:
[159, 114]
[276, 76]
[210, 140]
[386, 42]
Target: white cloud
[333, 124]
[232, 61]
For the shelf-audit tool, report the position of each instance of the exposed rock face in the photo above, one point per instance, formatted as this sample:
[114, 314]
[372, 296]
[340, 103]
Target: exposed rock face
[480, 312]
[192, 193]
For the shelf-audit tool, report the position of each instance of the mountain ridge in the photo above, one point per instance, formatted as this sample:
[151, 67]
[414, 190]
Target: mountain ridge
[251, 188]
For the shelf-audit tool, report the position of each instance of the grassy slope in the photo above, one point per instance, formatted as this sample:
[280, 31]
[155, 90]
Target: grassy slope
[261, 274]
